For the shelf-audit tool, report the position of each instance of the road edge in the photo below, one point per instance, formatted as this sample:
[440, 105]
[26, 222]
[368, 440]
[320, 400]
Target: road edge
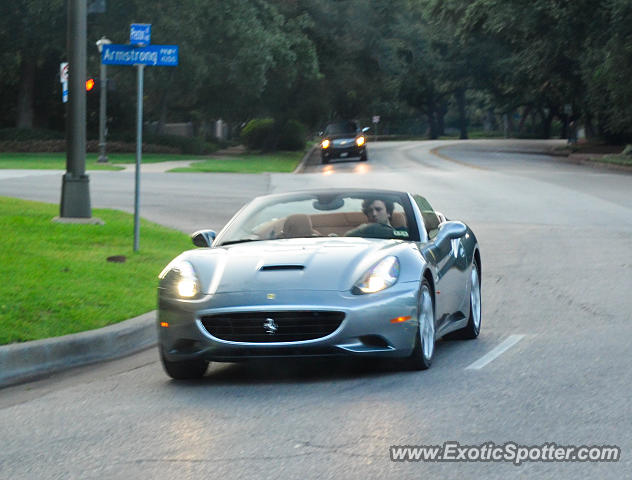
[303, 163]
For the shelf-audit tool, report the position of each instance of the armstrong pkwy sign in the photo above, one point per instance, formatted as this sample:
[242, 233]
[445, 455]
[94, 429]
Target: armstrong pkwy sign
[139, 53]
[151, 55]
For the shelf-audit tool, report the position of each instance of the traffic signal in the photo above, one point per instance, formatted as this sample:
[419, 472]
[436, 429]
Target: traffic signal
[90, 84]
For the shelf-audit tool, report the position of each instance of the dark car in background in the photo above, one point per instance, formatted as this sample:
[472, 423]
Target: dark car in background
[343, 139]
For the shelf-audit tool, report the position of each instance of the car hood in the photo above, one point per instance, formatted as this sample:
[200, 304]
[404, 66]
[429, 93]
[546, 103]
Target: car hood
[290, 264]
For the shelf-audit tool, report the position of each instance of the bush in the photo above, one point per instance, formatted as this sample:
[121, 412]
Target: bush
[292, 136]
[29, 134]
[185, 145]
[256, 131]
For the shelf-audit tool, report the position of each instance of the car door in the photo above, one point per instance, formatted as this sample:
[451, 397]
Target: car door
[450, 263]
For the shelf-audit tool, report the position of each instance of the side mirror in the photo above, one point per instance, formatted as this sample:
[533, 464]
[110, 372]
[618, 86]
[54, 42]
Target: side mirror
[203, 238]
[366, 129]
[449, 231]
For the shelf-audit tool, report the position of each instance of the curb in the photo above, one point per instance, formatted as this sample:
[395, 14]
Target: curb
[303, 163]
[575, 159]
[21, 362]
[578, 159]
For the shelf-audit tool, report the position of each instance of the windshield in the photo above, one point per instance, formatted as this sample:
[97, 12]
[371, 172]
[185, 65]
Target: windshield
[341, 128]
[368, 215]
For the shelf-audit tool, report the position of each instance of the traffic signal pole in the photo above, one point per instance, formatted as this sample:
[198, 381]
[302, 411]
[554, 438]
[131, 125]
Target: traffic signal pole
[75, 191]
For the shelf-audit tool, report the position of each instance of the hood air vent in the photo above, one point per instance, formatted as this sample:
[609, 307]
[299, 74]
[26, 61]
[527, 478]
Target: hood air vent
[268, 268]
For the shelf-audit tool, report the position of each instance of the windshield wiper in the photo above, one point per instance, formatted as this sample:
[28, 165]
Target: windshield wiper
[242, 240]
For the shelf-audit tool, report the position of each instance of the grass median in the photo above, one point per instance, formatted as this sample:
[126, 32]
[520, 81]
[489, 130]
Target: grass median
[57, 161]
[248, 163]
[254, 163]
[56, 278]
[624, 160]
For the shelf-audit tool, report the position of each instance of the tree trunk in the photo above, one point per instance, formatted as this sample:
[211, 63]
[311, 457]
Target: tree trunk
[433, 133]
[460, 100]
[523, 119]
[441, 112]
[590, 128]
[25, 94]
[547, 121]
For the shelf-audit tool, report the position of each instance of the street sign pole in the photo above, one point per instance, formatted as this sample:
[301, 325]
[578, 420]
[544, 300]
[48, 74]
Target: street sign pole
[139, 150]
[139, 53]
[103, 158]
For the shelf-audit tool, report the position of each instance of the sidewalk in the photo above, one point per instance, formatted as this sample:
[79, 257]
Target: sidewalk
[161, 167]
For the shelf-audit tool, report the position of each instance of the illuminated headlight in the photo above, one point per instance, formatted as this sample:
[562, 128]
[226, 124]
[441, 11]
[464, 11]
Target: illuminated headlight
[380, 276]
[179, 280]
[360, 141]
[325, 143]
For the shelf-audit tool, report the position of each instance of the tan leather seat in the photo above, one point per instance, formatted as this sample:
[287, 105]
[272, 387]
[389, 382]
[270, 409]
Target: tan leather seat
[398, 220]
[298, 225]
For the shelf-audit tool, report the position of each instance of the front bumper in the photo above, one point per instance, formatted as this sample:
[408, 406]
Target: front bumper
[366, 329]
[352, 151]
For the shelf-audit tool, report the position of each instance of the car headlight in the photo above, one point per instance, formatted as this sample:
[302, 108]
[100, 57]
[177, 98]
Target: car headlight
[380, 276]
[360, 141]
[325, 143]
[180, 280]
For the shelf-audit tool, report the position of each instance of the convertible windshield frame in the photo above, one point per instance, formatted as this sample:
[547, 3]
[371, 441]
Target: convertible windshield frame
[313, 204]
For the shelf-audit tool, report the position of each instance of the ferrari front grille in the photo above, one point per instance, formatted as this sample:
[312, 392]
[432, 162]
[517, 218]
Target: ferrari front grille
[269, 327]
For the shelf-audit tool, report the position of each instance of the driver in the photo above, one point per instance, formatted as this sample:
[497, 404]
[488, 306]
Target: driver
[379, 213]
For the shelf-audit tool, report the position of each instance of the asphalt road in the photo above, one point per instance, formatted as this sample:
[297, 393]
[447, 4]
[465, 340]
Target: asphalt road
[556, 243]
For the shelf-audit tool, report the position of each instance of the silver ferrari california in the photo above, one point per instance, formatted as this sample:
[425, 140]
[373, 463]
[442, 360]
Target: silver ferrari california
[364, 273]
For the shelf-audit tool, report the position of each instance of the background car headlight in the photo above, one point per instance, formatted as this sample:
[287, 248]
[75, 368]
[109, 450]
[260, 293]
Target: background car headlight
[325, 143]
[380, 276]
[360, 141]
[179, 280]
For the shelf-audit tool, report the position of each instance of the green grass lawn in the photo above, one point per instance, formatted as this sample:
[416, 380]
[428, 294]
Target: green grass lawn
[250, 163]
[276, 162]
[56, 279]
[57, 161]
[616, 160]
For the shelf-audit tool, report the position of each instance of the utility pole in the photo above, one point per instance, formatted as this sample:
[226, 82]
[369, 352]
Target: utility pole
[75, 189]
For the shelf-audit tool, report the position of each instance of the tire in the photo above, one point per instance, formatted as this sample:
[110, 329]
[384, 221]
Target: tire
[324, 160]
[184, 370]
[473, 327]
[423, 353]
[364, 157]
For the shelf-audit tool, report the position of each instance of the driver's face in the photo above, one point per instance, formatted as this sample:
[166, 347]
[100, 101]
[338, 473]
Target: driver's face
[376, 212]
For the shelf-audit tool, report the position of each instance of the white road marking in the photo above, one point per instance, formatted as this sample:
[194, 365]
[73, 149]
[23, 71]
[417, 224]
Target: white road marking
[495, 353]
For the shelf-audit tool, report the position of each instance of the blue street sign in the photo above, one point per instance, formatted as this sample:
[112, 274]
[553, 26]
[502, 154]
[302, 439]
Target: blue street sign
[140, 34]
[152, 55]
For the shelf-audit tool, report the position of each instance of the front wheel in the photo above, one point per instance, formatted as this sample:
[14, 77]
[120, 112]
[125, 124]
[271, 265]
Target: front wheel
[186, 369]
[473, 327]
[422, 355]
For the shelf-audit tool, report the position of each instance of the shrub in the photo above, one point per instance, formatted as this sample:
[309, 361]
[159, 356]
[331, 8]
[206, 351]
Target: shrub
[292, 136]
[28, 134]
[256, 131]
[185, 145]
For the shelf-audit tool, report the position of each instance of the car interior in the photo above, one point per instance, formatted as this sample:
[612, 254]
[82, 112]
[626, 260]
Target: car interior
[320, 225]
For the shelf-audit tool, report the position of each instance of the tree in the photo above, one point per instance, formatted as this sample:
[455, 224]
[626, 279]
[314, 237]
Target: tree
[35, 29]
